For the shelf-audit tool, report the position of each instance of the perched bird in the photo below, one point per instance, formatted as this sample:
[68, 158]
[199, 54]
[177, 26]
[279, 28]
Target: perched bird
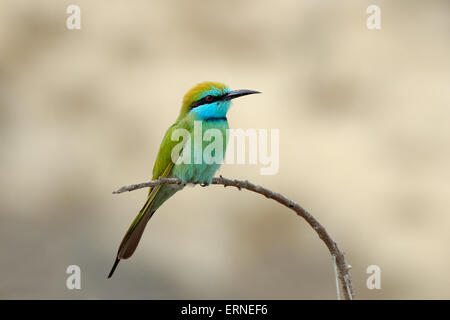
[207, 102]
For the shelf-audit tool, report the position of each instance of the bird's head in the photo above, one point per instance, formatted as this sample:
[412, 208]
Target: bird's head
[209, 100]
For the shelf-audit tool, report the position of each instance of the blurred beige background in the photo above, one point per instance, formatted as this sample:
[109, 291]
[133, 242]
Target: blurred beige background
[364, 146]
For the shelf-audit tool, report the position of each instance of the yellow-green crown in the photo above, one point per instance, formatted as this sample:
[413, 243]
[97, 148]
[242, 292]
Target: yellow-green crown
[199, 91]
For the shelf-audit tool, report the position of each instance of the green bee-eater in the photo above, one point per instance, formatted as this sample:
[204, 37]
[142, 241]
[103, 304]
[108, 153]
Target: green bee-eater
[208, 103]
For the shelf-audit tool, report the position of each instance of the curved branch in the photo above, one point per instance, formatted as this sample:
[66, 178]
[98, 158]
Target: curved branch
[338, 256]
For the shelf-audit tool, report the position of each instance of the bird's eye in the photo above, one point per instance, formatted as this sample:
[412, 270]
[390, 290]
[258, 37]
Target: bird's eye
[209, 98]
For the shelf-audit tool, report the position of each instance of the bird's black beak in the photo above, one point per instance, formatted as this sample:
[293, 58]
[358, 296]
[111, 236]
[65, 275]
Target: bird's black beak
[238, 93]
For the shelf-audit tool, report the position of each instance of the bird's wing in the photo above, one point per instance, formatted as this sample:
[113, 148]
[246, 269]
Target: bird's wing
[164, 158]
[162, 169]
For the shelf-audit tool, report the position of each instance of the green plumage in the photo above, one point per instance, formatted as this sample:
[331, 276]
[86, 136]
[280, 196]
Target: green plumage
[204, 105]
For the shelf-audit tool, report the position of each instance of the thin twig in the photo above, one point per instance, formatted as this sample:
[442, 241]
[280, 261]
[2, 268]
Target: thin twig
[336, 276]
[336, 253]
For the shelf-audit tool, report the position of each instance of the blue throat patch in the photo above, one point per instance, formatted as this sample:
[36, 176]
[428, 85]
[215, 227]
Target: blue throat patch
[215, 110]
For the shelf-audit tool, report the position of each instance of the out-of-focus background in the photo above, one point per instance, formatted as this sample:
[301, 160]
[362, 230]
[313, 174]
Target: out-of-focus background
[364, 126]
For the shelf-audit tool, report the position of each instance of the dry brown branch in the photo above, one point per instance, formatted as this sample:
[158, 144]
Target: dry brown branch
[337, 255]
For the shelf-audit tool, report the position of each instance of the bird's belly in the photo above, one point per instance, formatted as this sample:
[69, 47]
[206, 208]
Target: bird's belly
[203, 171]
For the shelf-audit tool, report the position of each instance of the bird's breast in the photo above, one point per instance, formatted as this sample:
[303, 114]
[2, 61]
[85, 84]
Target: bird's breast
[203, 152]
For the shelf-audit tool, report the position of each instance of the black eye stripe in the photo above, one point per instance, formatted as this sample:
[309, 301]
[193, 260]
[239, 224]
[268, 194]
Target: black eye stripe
[204, 101]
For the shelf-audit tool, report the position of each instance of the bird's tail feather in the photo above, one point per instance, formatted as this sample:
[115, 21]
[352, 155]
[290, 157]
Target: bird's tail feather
[116, 263]
[131, 239]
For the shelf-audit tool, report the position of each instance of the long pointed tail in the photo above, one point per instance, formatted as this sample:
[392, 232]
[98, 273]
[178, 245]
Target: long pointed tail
[131, 239]
[116, 263]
